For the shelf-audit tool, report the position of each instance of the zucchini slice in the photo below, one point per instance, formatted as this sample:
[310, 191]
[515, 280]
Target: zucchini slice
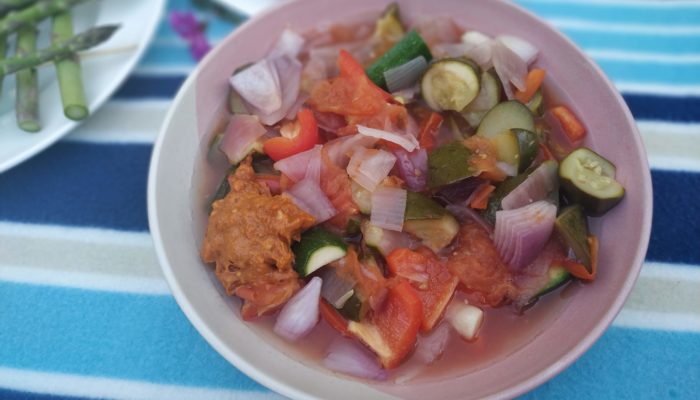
[589, 180]
[448, 164]
[434, 233]
[420, 206]
[507, 115]
[317, 248]
[529, 146]
[507, 147]
[450, 84]
[558, 276]
[362, 197]
[536, 103]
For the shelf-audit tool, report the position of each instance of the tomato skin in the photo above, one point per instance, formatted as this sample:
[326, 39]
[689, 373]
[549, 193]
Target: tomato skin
[333, 318]
[279, 148]
[428, 130]
[436, 291]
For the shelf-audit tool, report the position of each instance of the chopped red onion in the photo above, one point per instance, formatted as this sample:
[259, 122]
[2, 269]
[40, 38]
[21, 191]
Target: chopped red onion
[407, 95]
[299, 316]
[413, 168]
[241, 134]
[507, 168]
[329, 122]
[313, 170]
[405, 75]
[294, 167]
[348, 357]
[335, 288]
[465, 318]
[537, 186]
[524, 49]
[340, 150]
[369, 167]
[431, 347]
[509, 67]
[408, 142]
[388, 208]
[259, 85]
[289, 72]
[308, 196]
[522, 233]
[296, 107]
[557, 140]
[289, 44]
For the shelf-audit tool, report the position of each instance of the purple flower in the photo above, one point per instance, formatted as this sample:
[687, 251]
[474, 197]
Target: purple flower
[185, 24]
[199, 47]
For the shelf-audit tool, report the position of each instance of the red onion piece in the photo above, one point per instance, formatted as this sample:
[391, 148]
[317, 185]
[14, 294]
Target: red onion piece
[289, 72]
[388, 208]
[348, 357]
[335, 288]
[509, 67]
[340, 150]
[369, 167]
[329, 122]
[458, 192]
[289, 44]
[524, 49]
[522, 233]
[299, 316]
[259, 85]
[464, 213]
[308, 196]
[413, 168]
[508, 169]
[537, 186]
[241, 134]
[431, 347]
[294, 167]
[313, 170]
[405, 75]
[407, 141]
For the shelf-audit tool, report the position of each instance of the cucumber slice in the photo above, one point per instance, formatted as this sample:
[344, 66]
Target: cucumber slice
[362, 197]
[501, 191]
[529, 146]
[434, 233]
[408, 48]
[450, 84]
[572, 227]
[589, 180]
[317, 248]
[558, 276]
[507, 115]
[354, 309]
[448, 164]
[420, 206]
[489, 93]
[507, 147]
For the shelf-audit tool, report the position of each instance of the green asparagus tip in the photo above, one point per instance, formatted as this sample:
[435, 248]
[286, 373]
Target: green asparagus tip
[76, 112]
[30, 126]
[104, 32]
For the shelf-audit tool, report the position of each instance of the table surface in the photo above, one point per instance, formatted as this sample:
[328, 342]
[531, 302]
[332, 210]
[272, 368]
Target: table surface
[85, 311]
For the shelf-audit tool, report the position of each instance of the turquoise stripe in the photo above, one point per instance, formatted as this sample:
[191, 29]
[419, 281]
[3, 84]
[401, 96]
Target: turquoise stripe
[114, 335]
[147, 338]
[167, 55]
[634, 13]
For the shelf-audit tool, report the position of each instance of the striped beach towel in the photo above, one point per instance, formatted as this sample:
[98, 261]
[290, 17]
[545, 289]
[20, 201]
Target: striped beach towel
[86, 313]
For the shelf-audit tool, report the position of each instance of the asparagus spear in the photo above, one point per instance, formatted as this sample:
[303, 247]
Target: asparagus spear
[8, 5]
[31, 15]
[83, 41]
[68, 71]
[27, 106]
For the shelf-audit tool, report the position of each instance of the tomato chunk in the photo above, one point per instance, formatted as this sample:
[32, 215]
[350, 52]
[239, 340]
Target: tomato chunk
[391, 332]
[435, 284]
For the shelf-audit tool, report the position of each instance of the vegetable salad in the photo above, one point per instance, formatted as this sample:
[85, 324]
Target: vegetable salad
[379, 169]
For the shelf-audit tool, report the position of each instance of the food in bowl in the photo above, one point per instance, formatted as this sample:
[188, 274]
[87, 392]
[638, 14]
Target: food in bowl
[404, 184]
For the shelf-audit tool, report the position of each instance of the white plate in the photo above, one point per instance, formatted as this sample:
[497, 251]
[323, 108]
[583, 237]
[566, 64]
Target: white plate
[102, 75]
[248, 7]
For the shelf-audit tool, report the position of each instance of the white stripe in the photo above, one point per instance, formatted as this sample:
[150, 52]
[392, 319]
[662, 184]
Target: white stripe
[681, 322]
[84, 235]
[638, 57]
[660, 89]
[679, 272]
[123, 122]
[671, 146]
[656, 29]
[59, 384]
[624, 3]
[82, 280]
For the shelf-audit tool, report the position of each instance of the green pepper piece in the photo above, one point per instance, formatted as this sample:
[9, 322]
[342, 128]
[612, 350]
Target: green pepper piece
[572, 227]
[448, 164]
[420, 206]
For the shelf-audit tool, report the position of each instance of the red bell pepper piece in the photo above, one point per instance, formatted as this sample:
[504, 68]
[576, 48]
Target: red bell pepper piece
[428, 130]
[303, 137]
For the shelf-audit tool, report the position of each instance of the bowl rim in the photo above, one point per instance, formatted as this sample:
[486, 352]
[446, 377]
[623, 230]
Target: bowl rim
[520, 388]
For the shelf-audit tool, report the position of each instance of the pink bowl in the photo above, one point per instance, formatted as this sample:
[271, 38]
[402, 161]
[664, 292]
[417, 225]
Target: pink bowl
[565, 328]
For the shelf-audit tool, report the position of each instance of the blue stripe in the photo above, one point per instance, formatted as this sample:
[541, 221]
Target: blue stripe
[634, 13]
[79, 184]
[104, 185]
[644, 107]
[115, 335]
[16, 395]
[148, 338]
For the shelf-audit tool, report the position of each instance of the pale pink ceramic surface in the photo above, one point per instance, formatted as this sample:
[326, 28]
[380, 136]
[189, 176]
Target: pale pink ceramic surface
[177, 218]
